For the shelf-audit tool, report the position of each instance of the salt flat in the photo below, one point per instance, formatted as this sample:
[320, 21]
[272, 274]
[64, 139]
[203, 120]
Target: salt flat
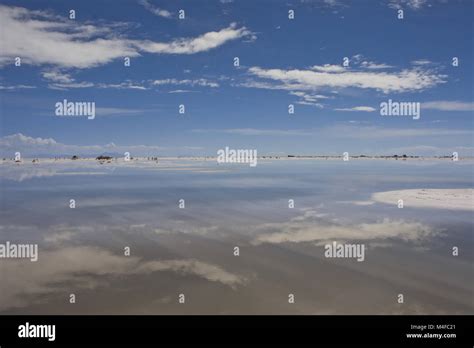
[455, 199]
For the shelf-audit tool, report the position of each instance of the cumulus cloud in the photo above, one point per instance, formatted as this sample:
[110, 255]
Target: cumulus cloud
[89, 267]
[41, 38]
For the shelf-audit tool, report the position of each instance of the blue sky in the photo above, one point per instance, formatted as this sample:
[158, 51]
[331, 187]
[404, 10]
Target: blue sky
[190, 61]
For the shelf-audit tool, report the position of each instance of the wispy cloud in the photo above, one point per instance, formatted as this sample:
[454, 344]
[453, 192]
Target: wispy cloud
[186, 82]
[358, 108]
[421, 62]
[412, 4]
[201, 43]
[309, 99]
[330, 77]
[374, 66]
[30, 146]
[445, 105]
[345, 131]
[155, 10]
[253, 131]
[42, 38]
[60, 80]
[15, 87]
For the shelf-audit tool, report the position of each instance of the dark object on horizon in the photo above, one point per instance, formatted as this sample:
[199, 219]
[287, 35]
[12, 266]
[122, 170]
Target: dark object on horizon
[103, 158]
[75, 157]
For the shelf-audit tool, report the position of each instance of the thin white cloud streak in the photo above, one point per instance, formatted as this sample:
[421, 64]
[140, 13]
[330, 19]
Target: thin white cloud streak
[117, 111]
[202, 43]
[328, 68]
[15, 87]
[187, 82]
[421, 62]
[412, 4]
[374, 66]
[155, 10]
[41, 38]
[358, 108]
[60, 80]
[369, 132]
[29, 146]
[294, 79]
[309, 99]
[445, 105]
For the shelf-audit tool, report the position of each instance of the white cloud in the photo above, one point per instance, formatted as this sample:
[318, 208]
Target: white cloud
[421, 62]
[202, 43]
[374, 66]
[180, 91]
[373, 132]
[15, 87]
[312, 228]
[57, 76]
[302, 102]
[91, 267]
[412, 4]
[155, 10]
[403, 81]
[309, 99]
[445, 105]
[60, 80]
[358, 108]
[328, 68]
[123, 85]
[29, 146]
[187, 82]
[41, 38]
[117, 111]
[346, 131]
[253, 131]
